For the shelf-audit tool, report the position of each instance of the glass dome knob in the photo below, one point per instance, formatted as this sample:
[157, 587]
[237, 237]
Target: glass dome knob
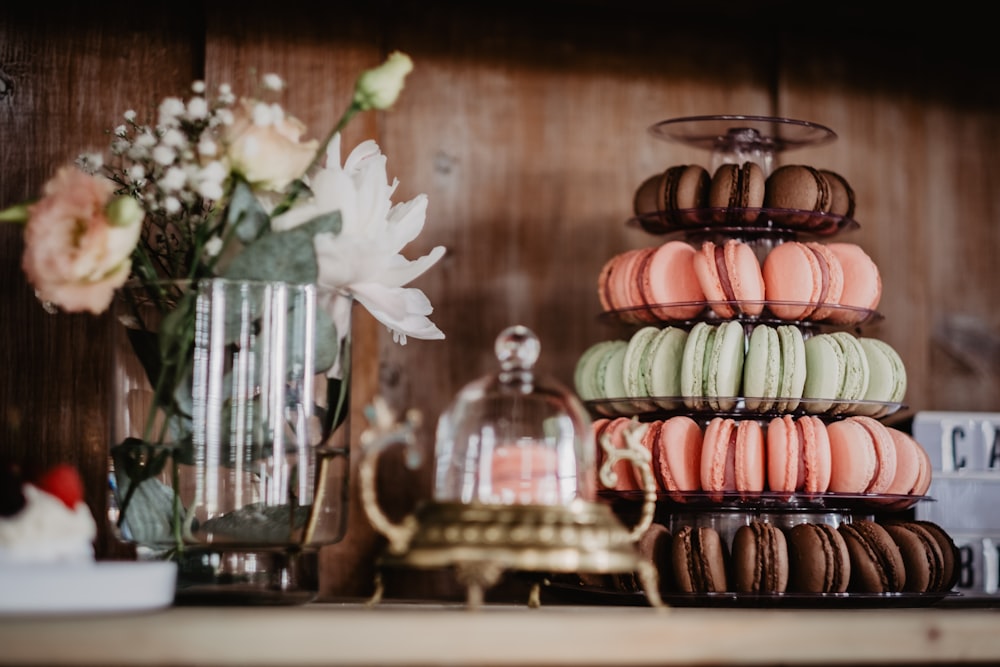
[517, 348]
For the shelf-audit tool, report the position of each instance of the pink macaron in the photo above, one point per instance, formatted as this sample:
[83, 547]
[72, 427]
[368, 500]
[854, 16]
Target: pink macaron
[798, 455]
[667, 282]
[862, 456]
[732, 457]
[525, 474]
[913, 469]
[862, 283]
[618, 285]
[730, 276]
[800, 278]
[611, 432]
[677, 455]
[651, 441]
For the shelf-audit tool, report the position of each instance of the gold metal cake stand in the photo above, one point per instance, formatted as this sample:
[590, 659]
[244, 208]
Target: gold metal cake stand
[482, 541]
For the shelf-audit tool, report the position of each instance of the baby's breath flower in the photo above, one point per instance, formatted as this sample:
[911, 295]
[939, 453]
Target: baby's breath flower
[120, 146]
[130, 115]
[136, 172]
[272, 82]
[121, 131]
[198, 87]
[197, 108]
[207, 147]
[170, 109]
[90, 162]
[226, 95]
[137, 152]
[171, 205]
[145, 140]
[213, 246]
[173, 180]
[210, 190]
[173, 138]
[164, 155]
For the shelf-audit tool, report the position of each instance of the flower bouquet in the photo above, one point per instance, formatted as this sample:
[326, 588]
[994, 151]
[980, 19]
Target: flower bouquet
[231, 251]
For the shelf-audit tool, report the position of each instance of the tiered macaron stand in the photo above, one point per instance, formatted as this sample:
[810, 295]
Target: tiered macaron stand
[737, 139]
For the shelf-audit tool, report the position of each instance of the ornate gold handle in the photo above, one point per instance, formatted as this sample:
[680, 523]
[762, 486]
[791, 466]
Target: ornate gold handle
[641, 460]
[384, 432]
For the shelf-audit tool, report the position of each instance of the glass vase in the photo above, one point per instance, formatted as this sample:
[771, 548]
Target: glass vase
[230, 434]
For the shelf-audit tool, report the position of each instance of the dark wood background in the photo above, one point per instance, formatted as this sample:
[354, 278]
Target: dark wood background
[526, 125]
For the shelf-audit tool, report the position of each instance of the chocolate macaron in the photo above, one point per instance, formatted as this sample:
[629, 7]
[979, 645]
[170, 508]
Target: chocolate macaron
[877, 565]
[672, 197]
[796, 187]
[759, 559]
[699, 560]
[738, 189]
[922, 556]
[654, 546]
[841, 194]
[818, 559]
[950, 556]
[930, 555]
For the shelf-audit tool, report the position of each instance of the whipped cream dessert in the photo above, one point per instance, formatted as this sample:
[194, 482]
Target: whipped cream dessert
[46, 530]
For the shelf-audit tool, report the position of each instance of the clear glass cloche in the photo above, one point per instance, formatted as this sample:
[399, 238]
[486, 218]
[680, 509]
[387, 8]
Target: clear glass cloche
[515, 438]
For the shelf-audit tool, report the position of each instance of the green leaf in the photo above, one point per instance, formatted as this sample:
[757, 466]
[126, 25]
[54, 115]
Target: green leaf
[16, 213]
[338, 392]
[286, 256]
[327, 346]
[245, 214]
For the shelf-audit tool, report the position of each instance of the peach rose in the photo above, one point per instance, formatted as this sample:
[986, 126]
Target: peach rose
[263, 144]
[78, 241]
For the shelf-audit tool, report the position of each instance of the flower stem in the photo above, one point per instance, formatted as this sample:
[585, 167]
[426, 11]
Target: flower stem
[298, 185]
[176, 506]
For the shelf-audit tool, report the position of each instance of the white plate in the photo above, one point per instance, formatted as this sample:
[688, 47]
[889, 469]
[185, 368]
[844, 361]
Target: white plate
[98, 587]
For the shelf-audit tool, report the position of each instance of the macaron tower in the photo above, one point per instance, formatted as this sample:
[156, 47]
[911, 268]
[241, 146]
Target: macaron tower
[763, 405]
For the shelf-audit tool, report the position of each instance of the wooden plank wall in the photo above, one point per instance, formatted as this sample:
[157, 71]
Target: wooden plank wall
[526, 127]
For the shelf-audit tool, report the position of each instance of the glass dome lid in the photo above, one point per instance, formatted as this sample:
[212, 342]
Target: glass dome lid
[514, 437]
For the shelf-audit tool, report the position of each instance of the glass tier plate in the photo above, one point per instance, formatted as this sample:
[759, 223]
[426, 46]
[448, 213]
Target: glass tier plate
[769, 501]
[572, 590]
[836, 316]
[744, 222]
[736, 407]
[731, 132]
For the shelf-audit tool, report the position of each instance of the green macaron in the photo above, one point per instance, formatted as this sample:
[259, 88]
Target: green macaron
[724, 366]
[712, 365]
[762, 369]
[663, 372]
[610, 372]
[824, 372]
[887, 377]
[699, 341]
[636, 357]
[591, 368]
[584, 375]
[793, 367]
[774, 371]
[856, 373]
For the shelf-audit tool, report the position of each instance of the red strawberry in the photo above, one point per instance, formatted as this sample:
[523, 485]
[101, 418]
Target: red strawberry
[62, 481]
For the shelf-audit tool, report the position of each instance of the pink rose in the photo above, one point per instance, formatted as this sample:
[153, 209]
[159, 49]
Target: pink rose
[264, 146]
[75, 255]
